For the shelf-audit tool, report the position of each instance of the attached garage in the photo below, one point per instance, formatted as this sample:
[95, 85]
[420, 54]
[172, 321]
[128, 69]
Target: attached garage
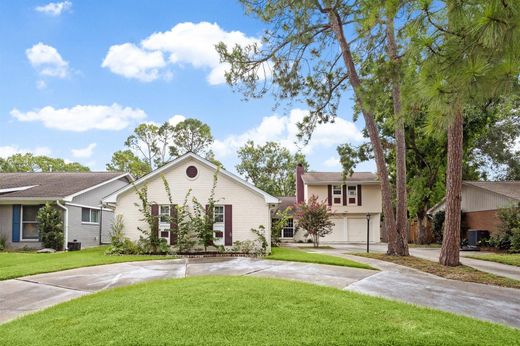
[339, 232]
[357, 229]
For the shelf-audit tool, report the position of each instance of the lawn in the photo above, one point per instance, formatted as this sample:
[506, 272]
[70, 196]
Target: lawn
[17, 264]
[245, 310]
[297, 255]
[461, 273]
[504, 258]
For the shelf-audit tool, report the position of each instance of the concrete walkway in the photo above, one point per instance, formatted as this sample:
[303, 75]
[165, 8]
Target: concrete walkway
[501, 305]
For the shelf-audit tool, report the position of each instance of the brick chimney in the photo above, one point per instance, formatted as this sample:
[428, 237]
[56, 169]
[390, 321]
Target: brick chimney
[299, 183]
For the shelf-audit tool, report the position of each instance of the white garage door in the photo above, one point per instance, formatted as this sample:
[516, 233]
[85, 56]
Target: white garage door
[357, 229]
[338, 232]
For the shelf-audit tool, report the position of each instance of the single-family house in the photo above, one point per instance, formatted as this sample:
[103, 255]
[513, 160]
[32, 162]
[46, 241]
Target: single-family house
[481, 200]
[77, 195]
[355, 203]
[240, 206]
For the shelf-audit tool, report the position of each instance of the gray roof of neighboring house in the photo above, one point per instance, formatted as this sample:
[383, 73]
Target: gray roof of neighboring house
[509, 189]
[47, 185]
[286, 202]
[337, 177]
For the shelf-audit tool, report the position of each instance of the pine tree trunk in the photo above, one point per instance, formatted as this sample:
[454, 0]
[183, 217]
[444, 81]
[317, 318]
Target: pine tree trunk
[451, 241]
[401, 238]
[390, 224]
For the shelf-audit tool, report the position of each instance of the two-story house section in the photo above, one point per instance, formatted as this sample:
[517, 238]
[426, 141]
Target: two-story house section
[355, 203]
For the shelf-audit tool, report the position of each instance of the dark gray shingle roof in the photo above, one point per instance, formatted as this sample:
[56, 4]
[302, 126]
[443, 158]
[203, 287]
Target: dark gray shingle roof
[51, 184]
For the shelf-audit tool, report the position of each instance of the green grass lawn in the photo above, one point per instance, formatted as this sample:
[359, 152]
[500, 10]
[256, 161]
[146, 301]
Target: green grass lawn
[504, 258]
[297, 255]
[245, 311]
[17, 264]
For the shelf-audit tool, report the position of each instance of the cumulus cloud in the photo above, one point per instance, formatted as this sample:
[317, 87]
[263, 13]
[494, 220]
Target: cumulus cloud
[185, 44]
[8, 150]
[177, 118]
[84, 152]
[54, 8]
[332, 162]
[47, 61]
[83, 117]
[284, 130]
[131, 61]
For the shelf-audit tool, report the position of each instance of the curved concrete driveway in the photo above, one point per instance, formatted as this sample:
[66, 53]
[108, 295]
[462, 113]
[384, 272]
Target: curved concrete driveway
[496, 304]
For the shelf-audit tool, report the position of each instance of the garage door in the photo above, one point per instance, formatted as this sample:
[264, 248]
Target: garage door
[338, 232]
[357, 229]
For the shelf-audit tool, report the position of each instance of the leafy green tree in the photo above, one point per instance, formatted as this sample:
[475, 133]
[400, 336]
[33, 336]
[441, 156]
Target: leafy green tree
[471, 55]
[314, 216]
[50, 226]
[192, 135]
[270, 167]
[30, 163]
[308, 53]
[279, 221]
[127, 161]
[146, 140]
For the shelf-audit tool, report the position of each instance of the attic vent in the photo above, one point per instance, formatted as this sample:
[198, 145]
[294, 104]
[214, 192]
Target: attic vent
[191, 172]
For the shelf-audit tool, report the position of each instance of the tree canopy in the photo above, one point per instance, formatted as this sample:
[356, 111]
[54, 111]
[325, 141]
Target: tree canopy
[30, 163]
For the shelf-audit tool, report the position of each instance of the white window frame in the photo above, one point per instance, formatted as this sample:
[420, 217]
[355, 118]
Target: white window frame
[31, 222]
[90, 222]
[287, 227]
[349, 196]
[162, 223]
[215, 214]
[336, 195]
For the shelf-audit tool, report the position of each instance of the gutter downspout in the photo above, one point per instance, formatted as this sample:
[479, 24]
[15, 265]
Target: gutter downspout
[100, 223]
[66, 222]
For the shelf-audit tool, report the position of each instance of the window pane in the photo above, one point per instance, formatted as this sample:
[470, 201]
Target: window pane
[219, 213]
[288, 233]
[94, 215]
[30, 231]
[352, 190]
[165, 213]
[85, 214]
[29, 212]
[336, 189]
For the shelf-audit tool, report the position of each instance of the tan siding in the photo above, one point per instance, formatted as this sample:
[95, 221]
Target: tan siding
[370, 198]
[476, 199]
[249, 207]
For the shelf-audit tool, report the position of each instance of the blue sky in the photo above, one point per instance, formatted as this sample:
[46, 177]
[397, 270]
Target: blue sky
[77, 76]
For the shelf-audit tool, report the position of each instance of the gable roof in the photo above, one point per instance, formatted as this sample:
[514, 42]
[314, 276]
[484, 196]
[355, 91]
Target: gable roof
[509, 189]
[286, 202]
[55, 185]
[268, 198]
[322, 178]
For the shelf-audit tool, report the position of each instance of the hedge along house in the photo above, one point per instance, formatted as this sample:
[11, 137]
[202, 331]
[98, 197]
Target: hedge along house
[355, 204]
[239, 207]
[77, 195]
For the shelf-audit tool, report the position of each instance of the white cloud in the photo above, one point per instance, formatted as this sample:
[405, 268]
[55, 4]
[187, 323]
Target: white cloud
[133, 62]
[54, 8]
[177, 118]
[84, 152]
[83, 118]
[185, 44]
[284, 129]
[8, 150]
[47, 61]
[41, 85]
[332, 162]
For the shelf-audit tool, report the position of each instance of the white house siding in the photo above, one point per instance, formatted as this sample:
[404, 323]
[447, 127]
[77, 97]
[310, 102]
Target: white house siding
[249, 207]
[477, 199]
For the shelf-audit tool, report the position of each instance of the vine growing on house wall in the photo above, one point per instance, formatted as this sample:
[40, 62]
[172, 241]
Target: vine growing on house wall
[203, 216]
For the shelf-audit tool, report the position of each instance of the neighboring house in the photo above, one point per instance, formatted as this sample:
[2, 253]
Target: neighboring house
[240, 205]
[480, 201]
[353, 202]
[77, 195]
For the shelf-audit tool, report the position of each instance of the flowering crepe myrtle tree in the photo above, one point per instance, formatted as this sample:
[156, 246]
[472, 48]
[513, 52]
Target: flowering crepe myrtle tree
[314, 217]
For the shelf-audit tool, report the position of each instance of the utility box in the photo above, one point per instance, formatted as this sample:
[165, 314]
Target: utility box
[476, 235]
[74, 245]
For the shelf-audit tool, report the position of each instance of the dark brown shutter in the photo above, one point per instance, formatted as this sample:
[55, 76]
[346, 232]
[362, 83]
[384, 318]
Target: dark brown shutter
[173, 224]
[344, 194]
[155, 214]
[228, 224]
[329, 195]
[359, 195]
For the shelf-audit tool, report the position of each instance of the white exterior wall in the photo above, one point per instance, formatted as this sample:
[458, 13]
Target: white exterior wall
[249, 207]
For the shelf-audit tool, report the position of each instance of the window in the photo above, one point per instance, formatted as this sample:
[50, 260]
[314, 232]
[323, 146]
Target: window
[218, 214]
[352, 194]
[30, 229]
[89, 215]
[336, 194]
[288, 230]
[164, 214]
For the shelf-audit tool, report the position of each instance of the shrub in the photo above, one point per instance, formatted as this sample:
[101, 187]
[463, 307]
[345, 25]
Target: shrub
[247, 247]
[119, 244]
[3, 242]
[260, 233]
[438, 224]
[51, 227]
[314, 217]
[508, 236]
